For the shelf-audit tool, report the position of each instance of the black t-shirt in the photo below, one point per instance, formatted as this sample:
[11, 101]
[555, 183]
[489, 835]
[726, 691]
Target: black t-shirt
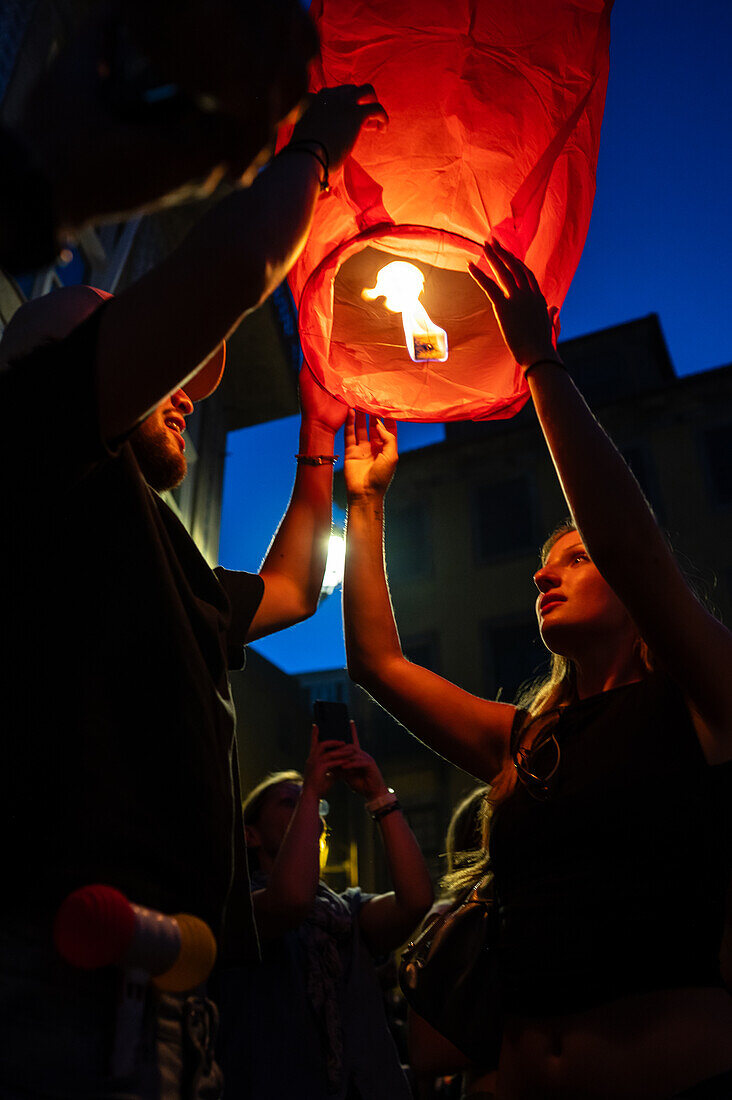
[118, 724]
[615, 883]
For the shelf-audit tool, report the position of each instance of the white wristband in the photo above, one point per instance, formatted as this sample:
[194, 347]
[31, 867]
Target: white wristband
[383, 800]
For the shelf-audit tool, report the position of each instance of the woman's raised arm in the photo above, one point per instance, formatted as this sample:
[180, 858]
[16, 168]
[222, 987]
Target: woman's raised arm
[614, 519]
[471, 732]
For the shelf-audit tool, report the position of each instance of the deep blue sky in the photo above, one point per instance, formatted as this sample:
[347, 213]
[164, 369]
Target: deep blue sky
[660, 241]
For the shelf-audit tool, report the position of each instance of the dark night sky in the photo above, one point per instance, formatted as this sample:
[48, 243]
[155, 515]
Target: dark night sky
[659, 241]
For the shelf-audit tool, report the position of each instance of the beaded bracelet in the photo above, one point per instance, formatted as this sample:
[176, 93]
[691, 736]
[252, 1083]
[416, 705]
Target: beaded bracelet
[317, 460]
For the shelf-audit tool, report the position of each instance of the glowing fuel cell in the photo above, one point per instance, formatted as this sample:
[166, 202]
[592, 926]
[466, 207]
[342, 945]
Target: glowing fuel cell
[400, 284]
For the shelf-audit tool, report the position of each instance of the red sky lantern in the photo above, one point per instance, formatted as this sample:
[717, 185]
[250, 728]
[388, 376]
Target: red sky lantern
[495, 109]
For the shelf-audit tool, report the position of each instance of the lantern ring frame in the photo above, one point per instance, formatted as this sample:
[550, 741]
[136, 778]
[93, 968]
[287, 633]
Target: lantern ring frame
[439, 247]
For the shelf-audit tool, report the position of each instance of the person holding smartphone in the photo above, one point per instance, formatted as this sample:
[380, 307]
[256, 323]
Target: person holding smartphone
[309, 1020]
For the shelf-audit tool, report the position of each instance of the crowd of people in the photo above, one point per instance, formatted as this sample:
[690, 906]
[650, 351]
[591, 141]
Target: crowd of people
[607, 785]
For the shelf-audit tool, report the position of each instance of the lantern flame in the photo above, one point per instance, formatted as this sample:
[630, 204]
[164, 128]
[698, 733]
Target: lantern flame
[400, 284]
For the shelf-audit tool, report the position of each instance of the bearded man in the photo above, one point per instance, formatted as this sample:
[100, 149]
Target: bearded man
[119, 752]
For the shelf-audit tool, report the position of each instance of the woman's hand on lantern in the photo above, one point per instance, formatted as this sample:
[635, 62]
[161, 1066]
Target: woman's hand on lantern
[371, 454]
[318, 406]
[336, 116]
[324, 763]
[526, 324]
[361, 772]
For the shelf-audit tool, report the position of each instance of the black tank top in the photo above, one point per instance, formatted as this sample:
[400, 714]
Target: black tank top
[615, 882]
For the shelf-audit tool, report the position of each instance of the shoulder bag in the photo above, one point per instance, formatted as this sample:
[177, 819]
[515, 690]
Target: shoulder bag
[449, 974]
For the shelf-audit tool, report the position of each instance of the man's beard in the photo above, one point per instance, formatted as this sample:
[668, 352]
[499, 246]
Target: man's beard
[160, 459]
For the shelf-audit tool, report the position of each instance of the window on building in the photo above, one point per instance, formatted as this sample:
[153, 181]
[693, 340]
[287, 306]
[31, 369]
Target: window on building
[641, 464]
[423, 650]
[331, 691]
[426, 822]
[380, 733]
[504, 519]
[513, 653]
[717, 444]
[409, 543]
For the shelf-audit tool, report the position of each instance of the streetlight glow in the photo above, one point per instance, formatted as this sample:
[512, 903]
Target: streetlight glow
[335, 563]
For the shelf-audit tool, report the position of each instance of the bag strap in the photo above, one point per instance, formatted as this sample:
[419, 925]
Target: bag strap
[482, 891]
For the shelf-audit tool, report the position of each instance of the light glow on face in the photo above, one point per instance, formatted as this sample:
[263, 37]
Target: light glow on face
[586, 604]
[400, 285]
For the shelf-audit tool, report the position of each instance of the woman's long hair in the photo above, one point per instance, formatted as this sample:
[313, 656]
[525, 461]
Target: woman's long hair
[546, 694]
[466, 843]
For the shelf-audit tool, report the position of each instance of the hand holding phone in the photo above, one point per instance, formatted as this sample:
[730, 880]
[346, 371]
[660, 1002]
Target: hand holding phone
[324, 763]
[332, 721]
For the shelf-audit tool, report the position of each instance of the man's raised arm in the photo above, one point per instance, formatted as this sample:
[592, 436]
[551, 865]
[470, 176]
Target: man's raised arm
[294, 566]
[155, 334]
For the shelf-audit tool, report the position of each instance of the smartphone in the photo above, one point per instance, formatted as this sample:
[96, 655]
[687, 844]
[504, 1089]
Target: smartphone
[332, 721]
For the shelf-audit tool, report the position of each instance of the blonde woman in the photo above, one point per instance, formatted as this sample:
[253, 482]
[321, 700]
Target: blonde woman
[610, 837]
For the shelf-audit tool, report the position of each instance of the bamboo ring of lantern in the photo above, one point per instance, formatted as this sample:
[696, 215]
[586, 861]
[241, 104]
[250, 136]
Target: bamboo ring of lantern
[358, 348]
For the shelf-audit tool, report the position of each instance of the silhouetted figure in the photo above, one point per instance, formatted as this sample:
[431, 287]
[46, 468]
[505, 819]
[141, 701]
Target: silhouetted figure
[148, 104]
[118, 719]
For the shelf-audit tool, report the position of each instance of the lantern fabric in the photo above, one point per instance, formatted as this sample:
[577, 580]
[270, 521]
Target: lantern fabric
[495, 109]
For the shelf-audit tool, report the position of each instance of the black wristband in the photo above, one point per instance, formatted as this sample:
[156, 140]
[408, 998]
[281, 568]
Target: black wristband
[303, 146]
[378, 814]
[303, 143]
